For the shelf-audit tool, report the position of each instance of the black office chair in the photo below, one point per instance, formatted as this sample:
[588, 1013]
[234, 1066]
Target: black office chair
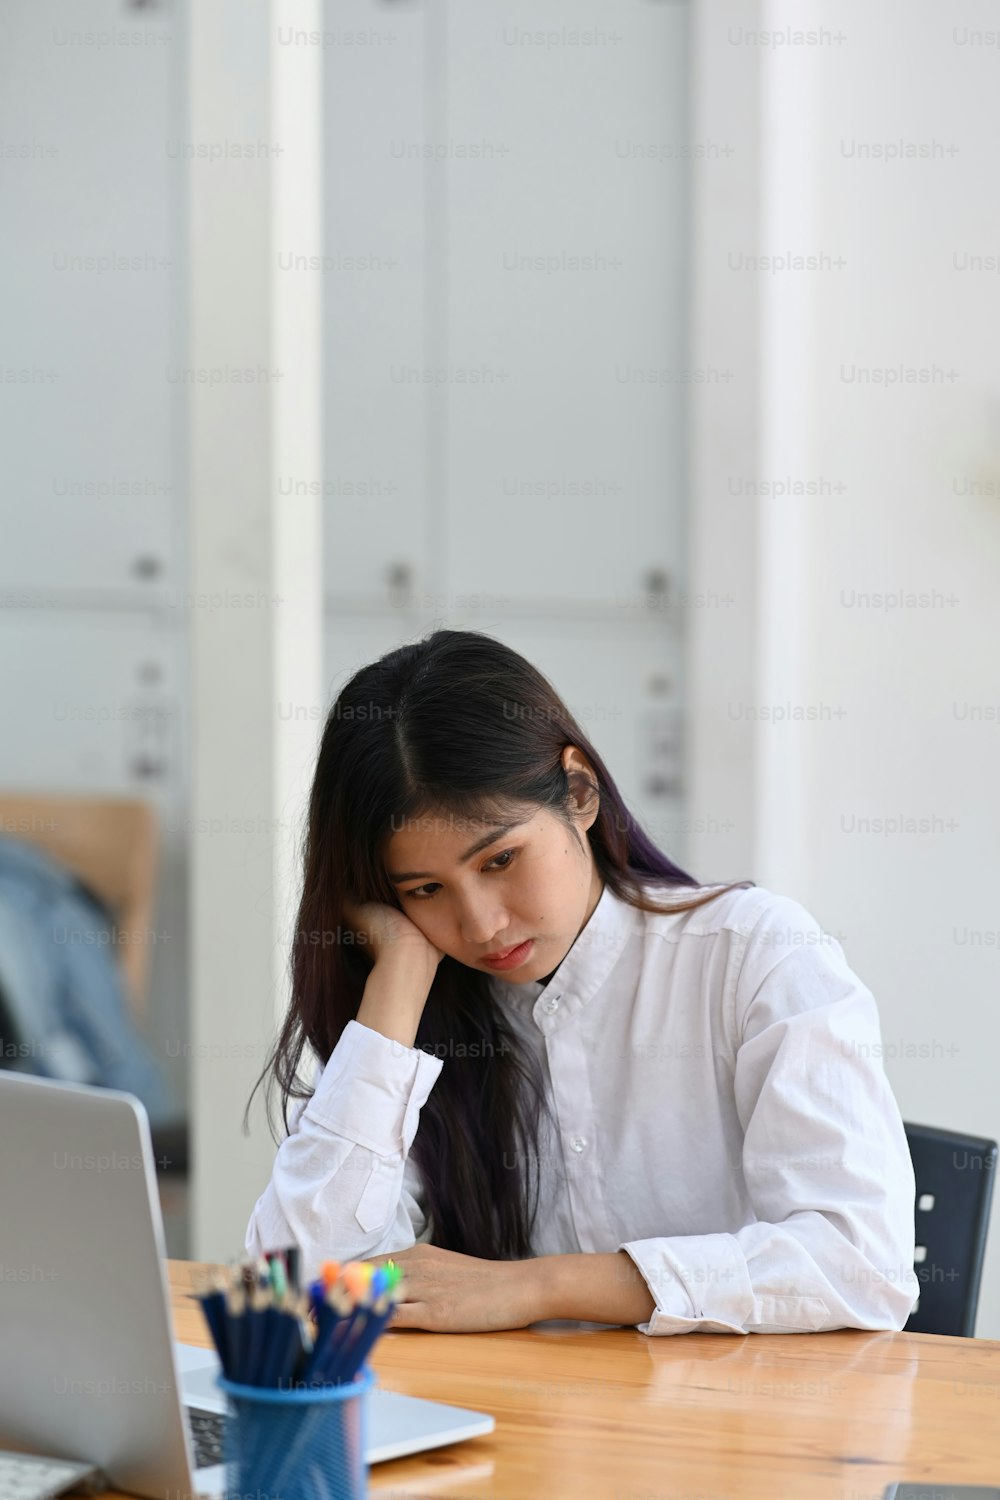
[954, 1177]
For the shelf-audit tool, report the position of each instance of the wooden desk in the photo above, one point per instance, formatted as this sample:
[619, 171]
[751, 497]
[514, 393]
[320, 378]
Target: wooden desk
[614, 1415]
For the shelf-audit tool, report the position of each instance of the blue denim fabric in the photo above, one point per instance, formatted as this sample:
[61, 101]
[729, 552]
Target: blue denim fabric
[62, 995]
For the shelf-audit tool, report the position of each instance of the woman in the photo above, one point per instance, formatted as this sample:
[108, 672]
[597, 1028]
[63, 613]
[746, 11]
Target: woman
[558, 1078]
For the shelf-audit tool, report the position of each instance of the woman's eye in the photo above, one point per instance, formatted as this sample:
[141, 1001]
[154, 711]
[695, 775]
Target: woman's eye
[424, 892]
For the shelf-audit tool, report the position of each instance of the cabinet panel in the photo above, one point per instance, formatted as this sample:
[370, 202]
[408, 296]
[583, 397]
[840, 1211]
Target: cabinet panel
[373, 287]
[95, 706]
[564, 287]
[92, 377]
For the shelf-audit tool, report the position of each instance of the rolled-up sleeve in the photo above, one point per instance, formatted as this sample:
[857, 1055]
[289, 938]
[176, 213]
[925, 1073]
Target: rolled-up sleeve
[824, 1157]
[340, 1186]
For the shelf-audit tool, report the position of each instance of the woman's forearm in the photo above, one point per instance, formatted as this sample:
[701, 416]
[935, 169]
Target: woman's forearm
[394, 998]
[592, 1288]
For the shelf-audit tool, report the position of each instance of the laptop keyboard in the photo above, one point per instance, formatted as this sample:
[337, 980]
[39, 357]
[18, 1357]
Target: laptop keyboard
[208, 1434]
[25, 1476]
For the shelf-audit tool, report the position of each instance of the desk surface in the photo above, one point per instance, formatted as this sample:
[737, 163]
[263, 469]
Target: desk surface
[617, 1415]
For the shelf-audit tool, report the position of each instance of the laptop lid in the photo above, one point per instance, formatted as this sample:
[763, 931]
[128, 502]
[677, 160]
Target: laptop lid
[86, 1360]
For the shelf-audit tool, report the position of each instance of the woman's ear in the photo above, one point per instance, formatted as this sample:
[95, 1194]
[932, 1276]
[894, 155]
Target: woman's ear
[586, 799]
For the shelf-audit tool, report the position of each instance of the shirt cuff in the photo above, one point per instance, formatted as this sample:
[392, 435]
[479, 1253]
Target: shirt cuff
[373, 1089]
[698, 1281]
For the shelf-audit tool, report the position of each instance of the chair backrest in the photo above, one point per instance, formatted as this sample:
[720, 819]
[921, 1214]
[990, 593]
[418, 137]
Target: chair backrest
[112, 845]
[954, 1181]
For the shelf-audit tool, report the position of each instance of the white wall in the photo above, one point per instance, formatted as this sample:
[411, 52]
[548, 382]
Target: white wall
[908, 698]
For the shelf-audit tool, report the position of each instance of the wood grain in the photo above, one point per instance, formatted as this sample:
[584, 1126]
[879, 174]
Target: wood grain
[615, 1415]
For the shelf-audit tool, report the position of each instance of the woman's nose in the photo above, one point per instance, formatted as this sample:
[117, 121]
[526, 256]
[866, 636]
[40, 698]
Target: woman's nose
[480, 922]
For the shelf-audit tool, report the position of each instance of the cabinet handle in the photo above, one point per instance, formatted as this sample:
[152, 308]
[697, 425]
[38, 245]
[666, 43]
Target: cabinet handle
[400, 579]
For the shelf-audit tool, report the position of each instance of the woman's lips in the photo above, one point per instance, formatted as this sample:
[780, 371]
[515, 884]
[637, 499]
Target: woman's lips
[512, 958]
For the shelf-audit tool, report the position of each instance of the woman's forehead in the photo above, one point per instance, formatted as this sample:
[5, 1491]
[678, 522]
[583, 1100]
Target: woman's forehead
[473, 819]
[450, 835]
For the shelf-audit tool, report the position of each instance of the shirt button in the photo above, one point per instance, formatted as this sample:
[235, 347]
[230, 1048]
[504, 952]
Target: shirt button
[577, 1142]
[551, 1005]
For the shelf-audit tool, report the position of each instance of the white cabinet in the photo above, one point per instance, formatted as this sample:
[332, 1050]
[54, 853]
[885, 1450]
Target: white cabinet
[373, 270]
[565, 277]
[509, 381]
[99, 706]
[92, 368]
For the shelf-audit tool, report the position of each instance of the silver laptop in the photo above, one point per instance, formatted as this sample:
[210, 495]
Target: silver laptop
[89, 1370]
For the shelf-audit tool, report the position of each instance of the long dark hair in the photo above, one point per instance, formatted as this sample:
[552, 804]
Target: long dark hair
[461, 724]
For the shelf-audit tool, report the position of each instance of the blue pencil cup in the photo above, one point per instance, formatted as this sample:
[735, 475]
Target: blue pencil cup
[297, 1444]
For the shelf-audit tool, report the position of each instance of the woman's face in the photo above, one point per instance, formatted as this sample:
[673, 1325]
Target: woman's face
[476, 890]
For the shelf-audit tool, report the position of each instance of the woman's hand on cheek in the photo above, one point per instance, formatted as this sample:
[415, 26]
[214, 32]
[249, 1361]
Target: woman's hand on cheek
[385, 933]
[445, 1292]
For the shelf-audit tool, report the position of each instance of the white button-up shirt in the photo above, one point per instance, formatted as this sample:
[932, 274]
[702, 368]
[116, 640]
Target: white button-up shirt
[721, 1113]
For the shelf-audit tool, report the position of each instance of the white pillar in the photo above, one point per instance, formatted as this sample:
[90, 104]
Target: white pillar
[256, 636]
[722, 645]
[754, 117]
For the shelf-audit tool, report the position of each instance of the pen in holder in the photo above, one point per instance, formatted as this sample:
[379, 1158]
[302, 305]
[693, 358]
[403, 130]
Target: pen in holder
[295, 1373]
